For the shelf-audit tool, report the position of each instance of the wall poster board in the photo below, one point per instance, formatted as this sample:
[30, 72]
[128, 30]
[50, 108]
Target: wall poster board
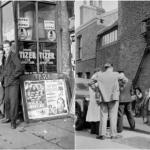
[45, 95]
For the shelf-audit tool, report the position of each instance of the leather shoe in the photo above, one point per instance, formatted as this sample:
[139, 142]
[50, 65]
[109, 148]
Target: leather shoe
[117, 137]
[13, 125]
[6, 121]
[102, 137]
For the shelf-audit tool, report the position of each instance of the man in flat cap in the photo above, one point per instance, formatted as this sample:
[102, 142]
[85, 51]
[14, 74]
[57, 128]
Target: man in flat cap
[109, 99]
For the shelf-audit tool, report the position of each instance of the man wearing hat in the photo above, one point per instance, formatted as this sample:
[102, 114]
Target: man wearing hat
[109, 99]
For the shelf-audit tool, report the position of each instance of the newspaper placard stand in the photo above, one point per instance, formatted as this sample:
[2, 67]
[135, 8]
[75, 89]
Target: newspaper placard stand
[44, 96]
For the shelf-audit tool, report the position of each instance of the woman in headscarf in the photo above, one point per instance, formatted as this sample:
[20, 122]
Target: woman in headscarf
[145, 106]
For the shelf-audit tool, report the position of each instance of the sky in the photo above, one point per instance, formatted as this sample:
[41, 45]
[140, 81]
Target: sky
[107, 5]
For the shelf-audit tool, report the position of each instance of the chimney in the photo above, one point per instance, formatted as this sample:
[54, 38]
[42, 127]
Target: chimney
[89, 12]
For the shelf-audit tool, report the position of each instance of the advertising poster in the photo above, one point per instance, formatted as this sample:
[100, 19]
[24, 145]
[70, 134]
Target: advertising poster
[45, 98]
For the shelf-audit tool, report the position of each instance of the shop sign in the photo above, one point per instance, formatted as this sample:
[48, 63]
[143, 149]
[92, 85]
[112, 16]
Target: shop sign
[48, 58]
[27, 56]
[51, 35]
[44, 98]
[49, 25]
[22, 33]
[23, 23]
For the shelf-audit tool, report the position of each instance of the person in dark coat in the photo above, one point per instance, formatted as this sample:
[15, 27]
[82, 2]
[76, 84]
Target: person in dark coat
[12, 70]
[125, 104]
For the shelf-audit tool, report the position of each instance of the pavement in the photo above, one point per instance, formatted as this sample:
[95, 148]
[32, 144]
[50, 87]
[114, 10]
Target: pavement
[49, 134]
[137, 139]
[139, 126]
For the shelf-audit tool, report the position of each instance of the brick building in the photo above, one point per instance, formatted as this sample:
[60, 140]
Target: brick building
[92, 19]
[131, 50]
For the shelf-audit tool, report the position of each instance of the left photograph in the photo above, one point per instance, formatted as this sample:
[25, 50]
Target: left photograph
[37, 74]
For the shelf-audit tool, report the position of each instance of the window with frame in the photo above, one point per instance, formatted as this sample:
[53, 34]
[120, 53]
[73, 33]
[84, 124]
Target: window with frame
[80, 47]
[79, 74]
[87, 75]
[109, 38]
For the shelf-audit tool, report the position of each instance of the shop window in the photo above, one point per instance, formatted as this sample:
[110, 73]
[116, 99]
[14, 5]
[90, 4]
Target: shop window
[28, 56]
[8, 22]
[37, 36]
[47, 57]
[46, 22]
[26, 20]
[109, 38]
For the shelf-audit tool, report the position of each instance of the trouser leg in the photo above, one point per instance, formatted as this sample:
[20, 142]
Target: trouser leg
[97, 127]
[93, 129]
[103, 118]
[120, 118]
[14, 98]
[7, 103]
[113, 113]
[129, 115]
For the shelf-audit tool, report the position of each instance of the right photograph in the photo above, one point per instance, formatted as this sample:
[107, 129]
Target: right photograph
[112, 85]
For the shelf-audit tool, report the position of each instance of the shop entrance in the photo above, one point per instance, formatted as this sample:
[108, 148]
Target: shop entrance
[32, 27]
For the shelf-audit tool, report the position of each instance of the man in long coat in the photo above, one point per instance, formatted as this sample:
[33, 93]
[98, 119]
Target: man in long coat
[109, 101]
[12, 70]
[125, 100]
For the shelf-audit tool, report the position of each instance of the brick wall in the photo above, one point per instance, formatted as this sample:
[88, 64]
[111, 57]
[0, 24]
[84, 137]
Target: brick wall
[85, 66]
[132, 42]
[88, 40]
[108, 52]
[89, 37]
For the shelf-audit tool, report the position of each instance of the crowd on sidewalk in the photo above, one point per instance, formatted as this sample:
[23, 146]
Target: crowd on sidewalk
[111, 96]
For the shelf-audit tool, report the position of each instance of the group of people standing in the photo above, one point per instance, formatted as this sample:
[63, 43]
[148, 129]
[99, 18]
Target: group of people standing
[111, 97]
[10, 72]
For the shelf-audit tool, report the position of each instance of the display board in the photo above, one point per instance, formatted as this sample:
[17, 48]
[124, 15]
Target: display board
[45, 95]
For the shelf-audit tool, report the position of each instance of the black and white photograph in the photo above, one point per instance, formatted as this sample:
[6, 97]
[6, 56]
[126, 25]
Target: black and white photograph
[37, 74]
[112, 58]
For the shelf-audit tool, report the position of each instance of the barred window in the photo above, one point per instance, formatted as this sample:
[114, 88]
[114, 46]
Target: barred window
[109, 38]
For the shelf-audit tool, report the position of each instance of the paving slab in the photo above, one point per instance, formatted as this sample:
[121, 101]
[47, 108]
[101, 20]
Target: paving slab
[139, 126]
[44, 145]
[5, 129]
[19, 140]
[47, 131]
[64, 124]
[65, 142]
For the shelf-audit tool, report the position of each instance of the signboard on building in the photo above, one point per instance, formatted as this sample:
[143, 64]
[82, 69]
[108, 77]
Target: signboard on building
[51, 35]
[22, 33]
[44, 95]
[49, 25]
[23, 23]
